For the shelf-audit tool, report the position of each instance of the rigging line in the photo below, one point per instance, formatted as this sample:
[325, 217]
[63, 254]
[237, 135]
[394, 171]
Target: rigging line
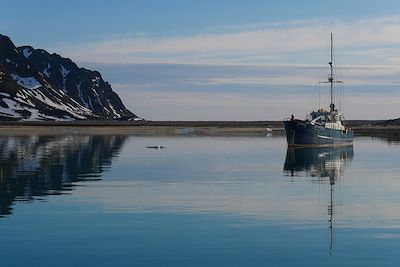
[344, 101]
[342, 97]
[341, 88]
[314, 99]
[319, 96]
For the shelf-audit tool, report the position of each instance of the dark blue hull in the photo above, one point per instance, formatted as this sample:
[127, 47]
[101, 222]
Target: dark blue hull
[303, 133]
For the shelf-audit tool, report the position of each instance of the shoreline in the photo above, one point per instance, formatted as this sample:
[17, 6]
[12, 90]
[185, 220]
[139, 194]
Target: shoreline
[136, 130]
[176, 128]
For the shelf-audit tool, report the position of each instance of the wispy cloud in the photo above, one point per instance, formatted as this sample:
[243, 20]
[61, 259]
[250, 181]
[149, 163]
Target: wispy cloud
[191, 76]
[288, 42]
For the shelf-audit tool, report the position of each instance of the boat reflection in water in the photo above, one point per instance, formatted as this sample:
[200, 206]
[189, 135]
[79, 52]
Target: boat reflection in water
[326, 164]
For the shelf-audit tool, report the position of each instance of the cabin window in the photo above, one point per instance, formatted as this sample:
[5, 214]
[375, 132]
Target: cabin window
[337, 118]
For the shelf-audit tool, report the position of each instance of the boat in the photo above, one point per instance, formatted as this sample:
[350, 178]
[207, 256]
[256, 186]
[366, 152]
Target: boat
[321, 127]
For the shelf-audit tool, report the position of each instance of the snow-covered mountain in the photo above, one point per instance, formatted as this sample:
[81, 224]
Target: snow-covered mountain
[36, 85]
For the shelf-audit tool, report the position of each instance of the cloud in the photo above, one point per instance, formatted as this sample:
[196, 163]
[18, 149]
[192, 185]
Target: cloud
[290, 42]
[201, 76]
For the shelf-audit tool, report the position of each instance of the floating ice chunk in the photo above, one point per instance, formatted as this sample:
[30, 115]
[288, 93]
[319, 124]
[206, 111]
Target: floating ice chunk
[185, 131]
[158, 147]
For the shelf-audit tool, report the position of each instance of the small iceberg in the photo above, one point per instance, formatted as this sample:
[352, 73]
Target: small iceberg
[185, 131]
[157, 147]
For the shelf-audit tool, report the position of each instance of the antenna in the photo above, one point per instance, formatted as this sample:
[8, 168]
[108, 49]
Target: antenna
[319, 96]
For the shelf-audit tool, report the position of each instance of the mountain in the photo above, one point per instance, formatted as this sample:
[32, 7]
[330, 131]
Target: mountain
[392, 122]
[36, 85]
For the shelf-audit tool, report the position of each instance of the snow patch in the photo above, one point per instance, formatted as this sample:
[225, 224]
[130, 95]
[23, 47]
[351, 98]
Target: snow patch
[96, 81]
[116, 115]
[46, 71]
[24, 101]
[26, 82]
[78, 112]
[12, 106]
[4, 94]
[136, 119]
[64, 73]
[27, 52]
[78, 87]
[90, 103]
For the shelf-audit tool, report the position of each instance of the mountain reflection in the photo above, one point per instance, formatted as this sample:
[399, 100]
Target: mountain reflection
[32, 166]
[390, 137]
[324, 164]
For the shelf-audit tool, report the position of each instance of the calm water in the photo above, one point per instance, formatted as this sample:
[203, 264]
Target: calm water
[204, 201]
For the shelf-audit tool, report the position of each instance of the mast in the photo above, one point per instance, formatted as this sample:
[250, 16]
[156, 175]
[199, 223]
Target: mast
[331, 80]
[331, 77]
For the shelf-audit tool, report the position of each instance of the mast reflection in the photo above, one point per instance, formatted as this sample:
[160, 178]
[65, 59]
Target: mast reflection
[325, 164]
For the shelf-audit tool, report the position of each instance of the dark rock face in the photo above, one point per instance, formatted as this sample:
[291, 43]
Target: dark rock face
[36, 85]
[393, 122]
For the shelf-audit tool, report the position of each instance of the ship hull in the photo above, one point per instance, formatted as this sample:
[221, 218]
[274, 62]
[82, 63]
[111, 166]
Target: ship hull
[303, 134]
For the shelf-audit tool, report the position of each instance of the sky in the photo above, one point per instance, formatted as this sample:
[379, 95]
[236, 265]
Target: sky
[224, 60]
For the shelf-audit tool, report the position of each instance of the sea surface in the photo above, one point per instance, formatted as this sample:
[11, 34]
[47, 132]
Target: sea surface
[110, 200]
